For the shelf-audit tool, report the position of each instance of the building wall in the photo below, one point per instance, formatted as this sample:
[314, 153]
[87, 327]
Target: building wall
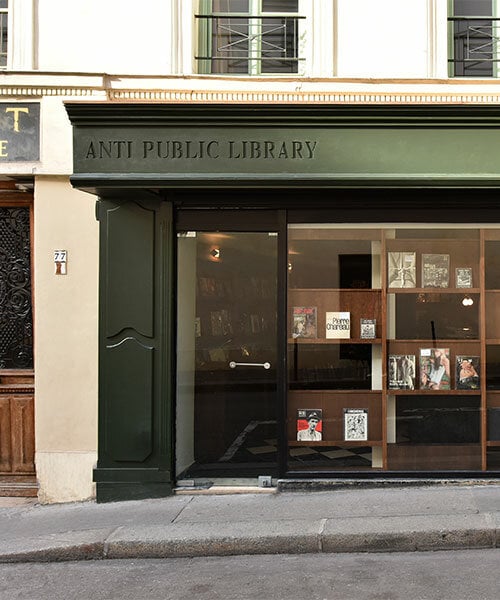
[357, 51]
[65, 341]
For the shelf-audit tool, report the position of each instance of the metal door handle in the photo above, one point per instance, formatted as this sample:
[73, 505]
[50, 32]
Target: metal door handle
[233, 365]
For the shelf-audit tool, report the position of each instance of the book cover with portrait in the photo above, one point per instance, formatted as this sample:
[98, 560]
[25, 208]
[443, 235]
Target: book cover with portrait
[309, 425]
[467, 373]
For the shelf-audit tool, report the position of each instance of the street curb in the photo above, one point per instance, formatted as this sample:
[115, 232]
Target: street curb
[323, 538]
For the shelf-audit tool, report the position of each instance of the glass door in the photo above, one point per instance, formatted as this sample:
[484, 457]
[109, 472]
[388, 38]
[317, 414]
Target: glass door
[226, 408]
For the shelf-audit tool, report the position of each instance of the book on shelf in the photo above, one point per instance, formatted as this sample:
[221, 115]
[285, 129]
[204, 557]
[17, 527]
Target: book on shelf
[434, 368]
[401, 372]
[402, 269]
[220, 321]
[467, 373]
[355, 424]
[338, 325]
[435, 270]
[463, 277]
[368, 329]
[304, 322]
[309, 425]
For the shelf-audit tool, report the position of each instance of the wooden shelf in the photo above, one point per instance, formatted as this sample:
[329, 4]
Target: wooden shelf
[299, 341]
[336, 391]
[335, 443]
[444, 309]
[429, 290]
[338, 290]
[439, 343]
[433, 392]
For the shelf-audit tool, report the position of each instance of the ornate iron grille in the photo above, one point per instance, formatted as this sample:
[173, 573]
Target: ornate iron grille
[475, 46]
[16, 320]
[250, 44]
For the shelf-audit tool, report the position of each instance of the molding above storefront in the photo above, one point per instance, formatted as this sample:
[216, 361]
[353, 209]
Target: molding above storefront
[248, 90]
[193, 146]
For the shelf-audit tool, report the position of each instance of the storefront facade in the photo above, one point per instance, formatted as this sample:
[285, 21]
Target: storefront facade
[293, 291]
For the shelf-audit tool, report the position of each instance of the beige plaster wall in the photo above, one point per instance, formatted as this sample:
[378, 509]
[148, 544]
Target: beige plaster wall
[66, 313]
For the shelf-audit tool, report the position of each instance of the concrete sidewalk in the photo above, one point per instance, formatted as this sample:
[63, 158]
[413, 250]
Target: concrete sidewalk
[356, 519]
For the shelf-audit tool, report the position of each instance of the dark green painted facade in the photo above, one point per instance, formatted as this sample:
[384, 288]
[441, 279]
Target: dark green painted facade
[132, 155]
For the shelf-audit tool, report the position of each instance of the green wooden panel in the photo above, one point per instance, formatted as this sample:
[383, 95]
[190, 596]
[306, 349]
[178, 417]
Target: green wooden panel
[335, 146]
[129, 284]
[128, 419]
[135, 381]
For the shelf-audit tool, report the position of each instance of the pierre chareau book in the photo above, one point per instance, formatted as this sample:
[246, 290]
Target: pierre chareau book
[304, 322]
[435, 270]
[402, 269]
[309, 425]
[355, 424]
[401, 372]
[435, 369]
[467, 373]
[368, 329]
[338, 325]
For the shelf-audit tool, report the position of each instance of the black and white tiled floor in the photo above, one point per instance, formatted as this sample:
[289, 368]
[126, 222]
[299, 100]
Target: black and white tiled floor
[254, 446]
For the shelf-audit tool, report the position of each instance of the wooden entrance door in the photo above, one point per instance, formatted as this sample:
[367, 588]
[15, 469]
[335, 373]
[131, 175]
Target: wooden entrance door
[17, 439]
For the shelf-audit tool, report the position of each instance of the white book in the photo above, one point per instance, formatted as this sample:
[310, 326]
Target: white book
[338, 325]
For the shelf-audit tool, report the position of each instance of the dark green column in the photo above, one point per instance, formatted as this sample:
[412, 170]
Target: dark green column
[135, 395]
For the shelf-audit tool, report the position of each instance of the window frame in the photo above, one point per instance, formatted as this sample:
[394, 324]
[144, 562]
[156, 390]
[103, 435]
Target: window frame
[255, 16]
[4, 43]
[495, 21]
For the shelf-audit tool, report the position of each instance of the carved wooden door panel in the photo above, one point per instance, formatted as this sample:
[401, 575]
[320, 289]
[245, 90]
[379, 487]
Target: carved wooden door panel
[17, 447]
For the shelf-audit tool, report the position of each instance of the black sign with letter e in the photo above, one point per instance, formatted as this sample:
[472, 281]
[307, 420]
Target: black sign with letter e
[19, 132]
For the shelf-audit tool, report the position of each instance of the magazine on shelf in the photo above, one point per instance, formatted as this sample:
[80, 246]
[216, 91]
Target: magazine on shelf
[463, 277]
[355, 424]
[402, 270]
[304, 322]
[338, 325]
[434, 369]
[368, 329]
[435, 270]
[467, 373]
[309, 425]
[401, 372]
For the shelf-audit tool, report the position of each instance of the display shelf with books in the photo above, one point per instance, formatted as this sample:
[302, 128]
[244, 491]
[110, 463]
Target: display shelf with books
[344, 418]
[339, 314]
[427, 316]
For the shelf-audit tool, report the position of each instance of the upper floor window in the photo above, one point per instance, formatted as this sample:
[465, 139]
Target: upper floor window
[248, 37]
[4, 16]
[474, 33]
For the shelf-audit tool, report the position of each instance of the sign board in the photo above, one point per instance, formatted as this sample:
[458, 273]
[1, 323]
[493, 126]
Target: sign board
[19, 132]
[186, 146]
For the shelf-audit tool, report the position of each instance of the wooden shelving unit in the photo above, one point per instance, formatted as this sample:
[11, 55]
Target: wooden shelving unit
[479, 335]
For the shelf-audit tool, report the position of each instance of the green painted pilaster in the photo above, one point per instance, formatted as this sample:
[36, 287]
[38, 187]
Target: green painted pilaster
[134, 448]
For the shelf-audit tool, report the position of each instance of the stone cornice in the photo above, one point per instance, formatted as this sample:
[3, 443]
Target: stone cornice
[313, 97]
[233, 90]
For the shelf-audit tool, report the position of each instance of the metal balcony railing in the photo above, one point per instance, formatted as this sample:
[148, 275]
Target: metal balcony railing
[476, 48]
[247, 44]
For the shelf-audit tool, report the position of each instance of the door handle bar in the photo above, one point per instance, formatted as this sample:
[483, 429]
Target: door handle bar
[233, 364]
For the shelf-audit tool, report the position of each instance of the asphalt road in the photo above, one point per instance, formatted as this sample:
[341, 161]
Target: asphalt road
[456, 575]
